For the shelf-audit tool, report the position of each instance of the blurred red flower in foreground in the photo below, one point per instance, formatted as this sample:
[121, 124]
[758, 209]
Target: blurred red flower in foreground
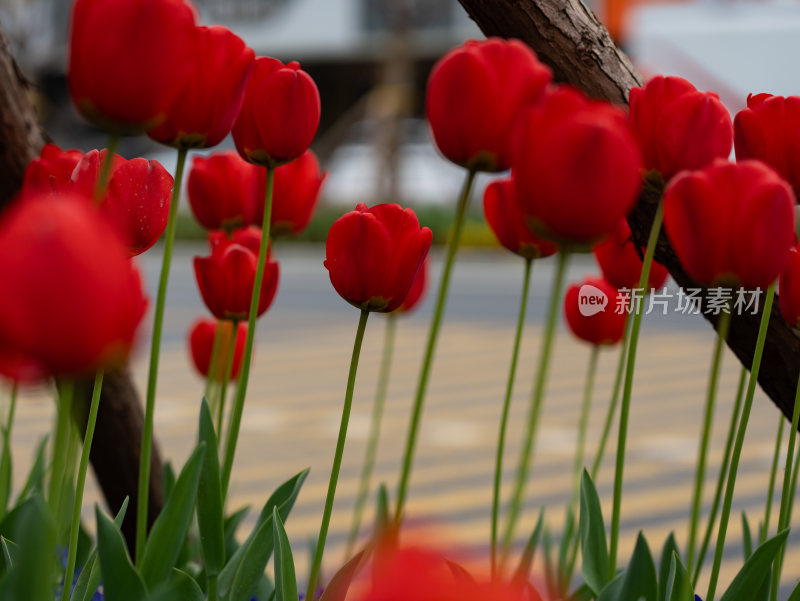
[731, 224]
[678, 127]
[621, 264]
[475, 94]
[373, 255]
[595, 312]
[72, 300]
[201, 346]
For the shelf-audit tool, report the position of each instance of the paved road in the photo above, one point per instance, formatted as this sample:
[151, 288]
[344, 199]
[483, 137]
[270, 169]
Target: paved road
[294, 405]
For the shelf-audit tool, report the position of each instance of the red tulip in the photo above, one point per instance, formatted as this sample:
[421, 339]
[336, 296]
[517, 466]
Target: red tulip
[73, 301]
[576, 169]
[52, 171]
[678, 127]
[595, 312]
[621, 263]
[508, 224]
[769, 130]
[731, 224]
[226, 278]
[475, 94]
[201, 346]
[294, 196]
[206, 107]
[19, 367]
[137, 198]
[373, 255]
[417, 290]
[225, 191]
[280, 113]
[789, 299]
[128, 60]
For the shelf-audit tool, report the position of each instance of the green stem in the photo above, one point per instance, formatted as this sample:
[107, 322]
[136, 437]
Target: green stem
[211, 587]
[787, 491]
[61, 447]
[433, 333]
[212, 364]
[793, 489]
[737, 448]
[501, 438]
[702, 450]
[583, 424]
[537, 396]
[612, 407]
[227, 377]
[79, 487]
[244, 375]
[723, 470]
[337, 458]
[625, 407]
[374, 432]
[152, 377]
[105, 168]
[772, 477]
[12, 407]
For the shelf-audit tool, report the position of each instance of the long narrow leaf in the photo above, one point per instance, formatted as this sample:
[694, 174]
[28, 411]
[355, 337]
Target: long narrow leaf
[679, 584]
[121, 581]
[285, 579]
[748, 582]
[523, 570]
[209, 498]
[669, 549]
[594, 549]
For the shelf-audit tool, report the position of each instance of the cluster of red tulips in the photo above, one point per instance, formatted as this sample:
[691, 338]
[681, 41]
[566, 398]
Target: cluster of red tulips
[578, 167]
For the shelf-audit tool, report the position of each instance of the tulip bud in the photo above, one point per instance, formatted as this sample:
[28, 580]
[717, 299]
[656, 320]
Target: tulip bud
[74, 299]
[576, 169]
[201, 346]
[621, 263]
[226, 278]
[731, 224]
[678, 127]
[373, 255]
[768, 130]
[475, 94]
[225, 191]
[595, 312]
[508, 224]
[204, 111]
[128, 60]
[280, 113]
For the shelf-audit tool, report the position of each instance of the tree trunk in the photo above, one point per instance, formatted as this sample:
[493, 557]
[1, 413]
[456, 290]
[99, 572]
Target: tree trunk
[569, 38]
[115, 452]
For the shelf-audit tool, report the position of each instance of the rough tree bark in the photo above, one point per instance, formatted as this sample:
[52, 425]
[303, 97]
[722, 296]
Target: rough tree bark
[568, 37]
[115, 452]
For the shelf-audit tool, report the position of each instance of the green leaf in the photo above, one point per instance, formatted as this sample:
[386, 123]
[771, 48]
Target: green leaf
[584, 593]
[594, 550]
[169, 479]
[10, 551]
[383, 520]
[32, 576]
[285, 579]
[525, 563]
[5, 473]
[613, 590]
[181, 587]
[35, 480]
[89, 579]
[679, 583]
[209, 498]
[230, 526]
[121, 581]
[250, 559]
[639, 579]
[748, 582]
[340, 583]
[550, 575]
[564, 548]
[166, 538]
[747, 537]
[795, 596]
[665, 565]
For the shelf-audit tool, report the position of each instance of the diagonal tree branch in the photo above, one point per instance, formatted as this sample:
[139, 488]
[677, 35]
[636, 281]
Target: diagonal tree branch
[569, 38]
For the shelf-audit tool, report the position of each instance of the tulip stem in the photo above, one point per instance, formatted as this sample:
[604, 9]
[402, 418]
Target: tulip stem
[143, 494]
[433, 333]
[737, 448]
[79, 486]
[227, 377]
[244, 375]
[105, 169]
[723, 470]
[66, 392]
[583, 423]
[537, 396]
[337, 458]
[212, 364]
[773, 472]
[501, 438]
[612, 407]
[374, 431]
[787, 492]
[624, 411]
[702, 450]
[12, 407]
